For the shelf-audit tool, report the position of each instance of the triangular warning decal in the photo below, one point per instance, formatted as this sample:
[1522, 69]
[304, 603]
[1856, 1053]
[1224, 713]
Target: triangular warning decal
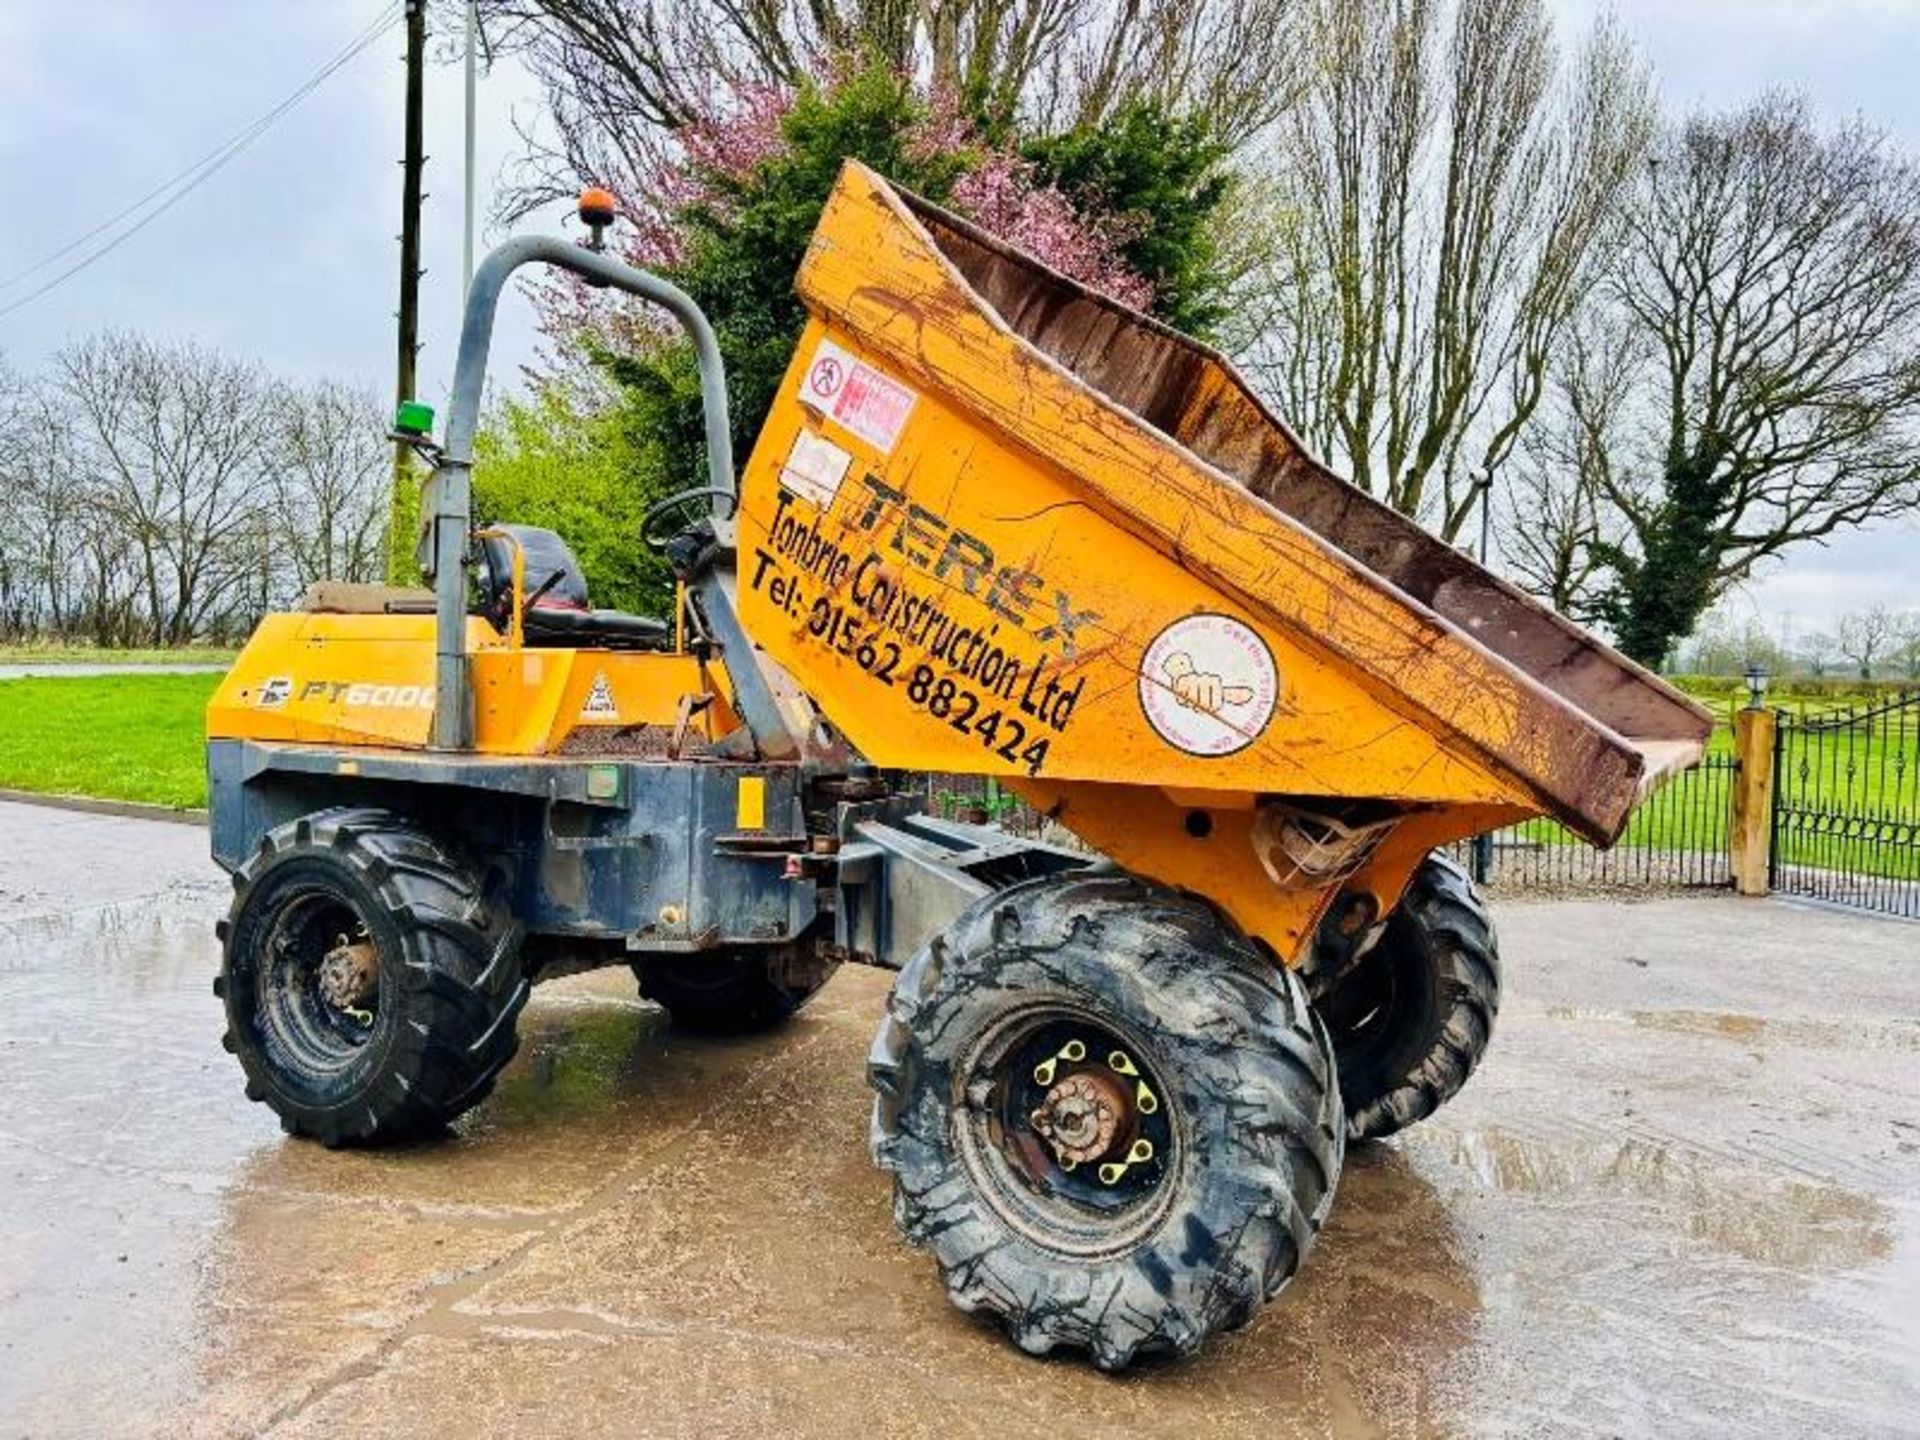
[600, 702]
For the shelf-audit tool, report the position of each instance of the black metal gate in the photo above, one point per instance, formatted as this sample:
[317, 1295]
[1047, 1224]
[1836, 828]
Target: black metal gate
[1676, 841]
[1846, 806]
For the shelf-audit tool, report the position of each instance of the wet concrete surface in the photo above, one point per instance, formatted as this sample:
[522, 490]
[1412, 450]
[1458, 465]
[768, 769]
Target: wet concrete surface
[1682, 1196]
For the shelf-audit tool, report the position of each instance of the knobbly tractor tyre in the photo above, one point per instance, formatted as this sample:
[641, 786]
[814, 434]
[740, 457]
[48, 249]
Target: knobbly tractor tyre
[371, 990]
[1412, 1019]
[735, 991]
[1113, 1122]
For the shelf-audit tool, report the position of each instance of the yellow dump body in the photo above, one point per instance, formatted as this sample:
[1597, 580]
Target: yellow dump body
[1000, 525]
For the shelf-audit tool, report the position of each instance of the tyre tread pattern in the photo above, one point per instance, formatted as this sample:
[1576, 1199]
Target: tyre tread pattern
[1442, 901]
[461, 981]
[1261, 1095]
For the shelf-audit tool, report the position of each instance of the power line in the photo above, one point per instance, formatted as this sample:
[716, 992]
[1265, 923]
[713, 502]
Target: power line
[194, 176]
[233, 143]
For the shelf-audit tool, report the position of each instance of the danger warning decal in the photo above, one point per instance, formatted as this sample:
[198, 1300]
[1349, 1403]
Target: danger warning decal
[600, 702]
[852, 392]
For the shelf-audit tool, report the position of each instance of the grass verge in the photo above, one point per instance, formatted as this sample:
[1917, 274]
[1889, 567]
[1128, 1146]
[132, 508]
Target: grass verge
[94, 655]
[109, 737]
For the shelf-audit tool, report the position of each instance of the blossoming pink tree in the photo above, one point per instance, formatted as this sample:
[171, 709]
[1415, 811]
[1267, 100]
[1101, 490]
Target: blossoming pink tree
[698, 174]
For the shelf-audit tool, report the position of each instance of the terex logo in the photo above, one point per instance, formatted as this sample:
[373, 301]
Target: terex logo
[358, 694]
[928, 543]
[1012, 591]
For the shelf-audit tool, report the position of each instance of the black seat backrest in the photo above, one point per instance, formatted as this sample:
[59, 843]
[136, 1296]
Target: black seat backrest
[545, 553]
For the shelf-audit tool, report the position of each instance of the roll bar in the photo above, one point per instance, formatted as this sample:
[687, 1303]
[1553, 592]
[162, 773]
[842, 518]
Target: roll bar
[443, 551]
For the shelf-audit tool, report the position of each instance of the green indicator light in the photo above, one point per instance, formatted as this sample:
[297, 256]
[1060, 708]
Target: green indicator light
[413, 417]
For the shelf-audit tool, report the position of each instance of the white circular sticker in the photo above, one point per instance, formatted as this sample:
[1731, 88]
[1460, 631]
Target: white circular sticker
[1208, 685]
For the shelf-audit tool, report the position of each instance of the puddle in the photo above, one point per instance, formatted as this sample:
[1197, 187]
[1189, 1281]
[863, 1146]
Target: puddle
[1783, 1222]
[1752, 1030]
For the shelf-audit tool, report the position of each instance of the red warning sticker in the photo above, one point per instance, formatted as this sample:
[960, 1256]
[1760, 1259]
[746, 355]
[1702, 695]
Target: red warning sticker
[870, 404]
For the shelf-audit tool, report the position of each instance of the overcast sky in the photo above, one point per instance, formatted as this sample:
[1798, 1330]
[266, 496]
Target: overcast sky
[288, 253]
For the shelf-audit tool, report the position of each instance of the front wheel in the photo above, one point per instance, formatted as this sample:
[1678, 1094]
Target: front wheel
[1412, 1019]
[371, 990]
[1113, 1121]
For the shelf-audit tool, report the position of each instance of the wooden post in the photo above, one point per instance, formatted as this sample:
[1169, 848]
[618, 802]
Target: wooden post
[403, 514]
[1750, 823]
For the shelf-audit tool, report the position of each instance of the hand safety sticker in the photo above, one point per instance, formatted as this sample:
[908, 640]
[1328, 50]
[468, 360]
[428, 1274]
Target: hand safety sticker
[1208, 685]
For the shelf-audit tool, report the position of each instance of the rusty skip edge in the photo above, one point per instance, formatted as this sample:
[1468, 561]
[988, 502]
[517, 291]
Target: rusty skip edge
[1575, 766]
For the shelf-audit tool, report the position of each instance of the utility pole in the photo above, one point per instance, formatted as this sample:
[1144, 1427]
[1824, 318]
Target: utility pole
[403, 514]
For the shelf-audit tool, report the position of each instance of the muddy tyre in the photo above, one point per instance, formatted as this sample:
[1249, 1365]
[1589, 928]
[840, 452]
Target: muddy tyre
[1411, 1021]
[371, 991]
[1113, 1122]
[736, 991]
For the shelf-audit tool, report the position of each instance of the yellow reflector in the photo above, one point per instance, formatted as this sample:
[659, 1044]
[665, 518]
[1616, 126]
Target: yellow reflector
[753, 803]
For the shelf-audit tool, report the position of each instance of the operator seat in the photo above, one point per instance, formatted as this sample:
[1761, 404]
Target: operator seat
[561, 612]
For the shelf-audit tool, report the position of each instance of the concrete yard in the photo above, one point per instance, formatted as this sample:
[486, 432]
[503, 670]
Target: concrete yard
[1682, 1197]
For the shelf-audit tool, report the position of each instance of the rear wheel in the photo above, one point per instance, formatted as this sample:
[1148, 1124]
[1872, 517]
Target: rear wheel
[370, 990]
[738, 990]
[1112, 1120]
[1412, 1019]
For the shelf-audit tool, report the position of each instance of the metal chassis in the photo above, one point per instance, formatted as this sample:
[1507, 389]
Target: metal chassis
[603, 860]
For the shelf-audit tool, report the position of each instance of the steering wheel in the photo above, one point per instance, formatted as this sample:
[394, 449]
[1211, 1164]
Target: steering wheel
[678, 508]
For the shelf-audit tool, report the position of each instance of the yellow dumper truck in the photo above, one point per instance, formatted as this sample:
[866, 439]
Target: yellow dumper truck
[995, 524]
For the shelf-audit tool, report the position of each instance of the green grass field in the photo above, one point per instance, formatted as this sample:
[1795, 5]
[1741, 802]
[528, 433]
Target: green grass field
[94, 655]
[110, 737]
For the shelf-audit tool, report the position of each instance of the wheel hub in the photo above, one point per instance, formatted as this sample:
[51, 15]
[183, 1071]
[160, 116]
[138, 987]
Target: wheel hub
[1063, 1120]
[1081, 1116]
[349, 974]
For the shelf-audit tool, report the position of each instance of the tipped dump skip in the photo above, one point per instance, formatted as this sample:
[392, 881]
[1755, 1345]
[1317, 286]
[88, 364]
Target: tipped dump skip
[1159, 437]
[1192, 395]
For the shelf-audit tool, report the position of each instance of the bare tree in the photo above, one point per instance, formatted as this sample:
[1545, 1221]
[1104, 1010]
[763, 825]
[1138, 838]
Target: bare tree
[1772, 279]
[1557, 525]
[1726, 644]
[1867, 636]
[1816, 653]
[47, 582]
[16, 588]
[618, 73]
[328, 483]
[155, 494]
[167, 441]
[1456, 192]
[1906, 644]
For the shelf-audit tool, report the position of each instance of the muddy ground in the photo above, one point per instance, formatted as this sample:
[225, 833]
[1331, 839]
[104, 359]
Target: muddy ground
[1681, 1197]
